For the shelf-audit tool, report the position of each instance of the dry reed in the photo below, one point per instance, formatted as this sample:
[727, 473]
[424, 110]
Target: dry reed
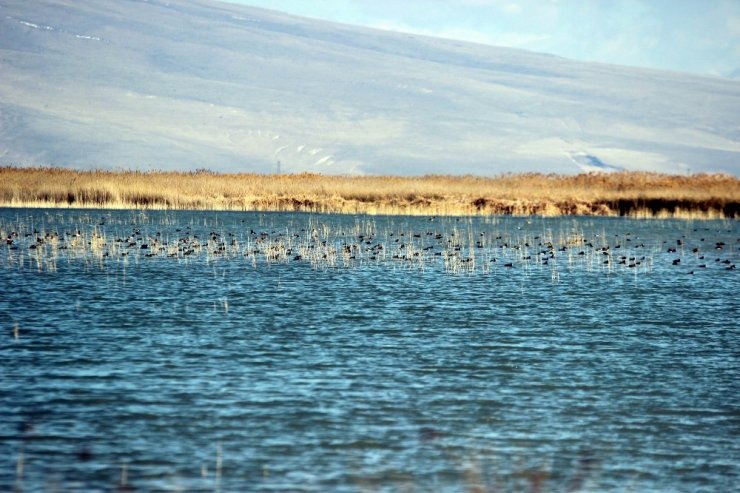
[617, 194]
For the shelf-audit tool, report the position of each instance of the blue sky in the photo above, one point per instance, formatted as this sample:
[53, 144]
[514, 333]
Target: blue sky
[701, 36]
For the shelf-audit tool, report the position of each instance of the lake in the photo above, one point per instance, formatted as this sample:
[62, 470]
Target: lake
[227, 351]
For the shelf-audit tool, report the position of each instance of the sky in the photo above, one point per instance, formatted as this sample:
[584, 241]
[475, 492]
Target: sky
[699, 36]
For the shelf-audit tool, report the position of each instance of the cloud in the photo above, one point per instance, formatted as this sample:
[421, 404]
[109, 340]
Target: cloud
[512, 8]
[508, 6]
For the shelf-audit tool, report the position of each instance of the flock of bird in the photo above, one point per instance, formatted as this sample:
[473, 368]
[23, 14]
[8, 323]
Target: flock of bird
[458, 248]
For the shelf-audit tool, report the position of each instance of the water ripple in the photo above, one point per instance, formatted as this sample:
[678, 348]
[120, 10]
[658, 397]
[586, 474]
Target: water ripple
[238, 371]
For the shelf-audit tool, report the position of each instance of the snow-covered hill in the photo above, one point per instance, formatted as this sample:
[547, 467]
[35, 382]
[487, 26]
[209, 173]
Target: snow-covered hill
[187, 84]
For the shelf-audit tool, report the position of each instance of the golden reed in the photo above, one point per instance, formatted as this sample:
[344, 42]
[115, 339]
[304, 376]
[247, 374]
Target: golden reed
[627, 194]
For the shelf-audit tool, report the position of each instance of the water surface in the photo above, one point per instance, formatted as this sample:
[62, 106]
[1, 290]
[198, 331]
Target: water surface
[289, 352]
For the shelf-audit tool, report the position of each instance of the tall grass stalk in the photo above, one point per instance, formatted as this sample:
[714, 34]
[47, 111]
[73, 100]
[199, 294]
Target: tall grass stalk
[635, 194]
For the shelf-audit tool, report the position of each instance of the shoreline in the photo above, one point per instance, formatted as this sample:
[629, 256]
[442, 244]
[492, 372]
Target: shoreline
[632, 194]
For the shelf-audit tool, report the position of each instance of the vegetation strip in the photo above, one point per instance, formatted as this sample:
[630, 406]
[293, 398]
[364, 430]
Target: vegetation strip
[635, 194]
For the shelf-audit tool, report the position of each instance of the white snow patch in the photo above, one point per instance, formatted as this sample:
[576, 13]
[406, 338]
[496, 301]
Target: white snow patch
[313, 152]
[84, 36]
[279, 150]
[323, 160]
[36, 26]
[543, 147]
[300, 148]
[240, 18]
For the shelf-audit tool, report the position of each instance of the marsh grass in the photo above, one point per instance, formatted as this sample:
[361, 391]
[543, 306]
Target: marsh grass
[458, 246]
[616, 194]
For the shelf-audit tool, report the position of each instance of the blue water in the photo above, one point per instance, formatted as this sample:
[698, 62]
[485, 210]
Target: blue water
[289, 352]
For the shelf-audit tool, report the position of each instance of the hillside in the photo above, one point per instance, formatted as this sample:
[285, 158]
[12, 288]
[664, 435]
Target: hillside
[201, 84]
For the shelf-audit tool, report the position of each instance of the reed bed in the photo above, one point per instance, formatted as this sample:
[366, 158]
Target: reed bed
[635, 194]
[458, 246]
